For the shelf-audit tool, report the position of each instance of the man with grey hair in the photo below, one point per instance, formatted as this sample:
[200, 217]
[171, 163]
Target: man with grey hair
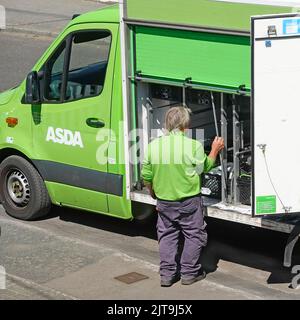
[171, 170]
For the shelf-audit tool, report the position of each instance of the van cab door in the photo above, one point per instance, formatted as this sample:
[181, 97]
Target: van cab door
[71, 126]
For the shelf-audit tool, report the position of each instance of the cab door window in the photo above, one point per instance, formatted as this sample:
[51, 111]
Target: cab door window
[88, 64]
[78, 69]
[53, 78]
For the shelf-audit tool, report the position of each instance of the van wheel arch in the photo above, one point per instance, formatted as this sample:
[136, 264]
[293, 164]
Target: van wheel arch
[7, 152]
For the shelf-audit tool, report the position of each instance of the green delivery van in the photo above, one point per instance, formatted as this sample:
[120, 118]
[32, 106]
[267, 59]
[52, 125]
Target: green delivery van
[74, 132]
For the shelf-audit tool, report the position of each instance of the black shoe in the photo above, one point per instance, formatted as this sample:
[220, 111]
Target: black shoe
[169, 283]
[200, 277]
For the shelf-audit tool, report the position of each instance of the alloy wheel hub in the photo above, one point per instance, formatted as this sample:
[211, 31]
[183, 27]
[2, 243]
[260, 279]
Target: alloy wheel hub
[18, 188]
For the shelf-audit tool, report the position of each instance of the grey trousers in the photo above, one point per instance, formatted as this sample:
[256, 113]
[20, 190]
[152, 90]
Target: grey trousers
[180, 218]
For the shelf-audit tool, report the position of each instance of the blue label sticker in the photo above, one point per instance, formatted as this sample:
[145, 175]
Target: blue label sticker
[268, 44]
[291, 26]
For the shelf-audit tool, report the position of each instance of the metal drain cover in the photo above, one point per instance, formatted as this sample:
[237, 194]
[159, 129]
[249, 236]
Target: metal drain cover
[131, 277]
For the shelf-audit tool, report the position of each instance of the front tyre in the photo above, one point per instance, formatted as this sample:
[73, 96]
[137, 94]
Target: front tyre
[22, 190]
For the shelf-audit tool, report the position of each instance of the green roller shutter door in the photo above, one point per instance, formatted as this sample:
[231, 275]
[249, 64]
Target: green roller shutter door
[211, 59]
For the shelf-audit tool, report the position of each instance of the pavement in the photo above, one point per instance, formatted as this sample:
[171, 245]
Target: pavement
[77, 255]
[74, 255]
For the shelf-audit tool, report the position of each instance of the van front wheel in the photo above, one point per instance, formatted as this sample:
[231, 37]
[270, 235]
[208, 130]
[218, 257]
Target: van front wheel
[22, 190]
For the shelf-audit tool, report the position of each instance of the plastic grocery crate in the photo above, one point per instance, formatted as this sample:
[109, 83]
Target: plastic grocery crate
[244, 187]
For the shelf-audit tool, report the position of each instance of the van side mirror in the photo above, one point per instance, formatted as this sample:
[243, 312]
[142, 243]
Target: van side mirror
[32, 94]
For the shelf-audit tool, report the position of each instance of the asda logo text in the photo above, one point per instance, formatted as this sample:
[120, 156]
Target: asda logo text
[64, 136]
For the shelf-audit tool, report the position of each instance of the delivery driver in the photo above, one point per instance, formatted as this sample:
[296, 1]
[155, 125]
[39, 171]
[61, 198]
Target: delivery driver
[171, 170]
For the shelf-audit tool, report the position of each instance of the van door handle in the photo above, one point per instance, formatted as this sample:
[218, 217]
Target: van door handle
[95, 123]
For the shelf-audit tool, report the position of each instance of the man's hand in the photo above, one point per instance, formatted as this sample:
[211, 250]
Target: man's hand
[152, 193]
[216, 147]
[149, 186]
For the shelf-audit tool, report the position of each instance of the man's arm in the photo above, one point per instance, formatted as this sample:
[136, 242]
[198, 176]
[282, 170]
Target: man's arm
[216, 148]
[147, 173]
[205, 163]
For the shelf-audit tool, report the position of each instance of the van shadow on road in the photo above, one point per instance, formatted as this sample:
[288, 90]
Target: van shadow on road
[240, 244]
[252, 247]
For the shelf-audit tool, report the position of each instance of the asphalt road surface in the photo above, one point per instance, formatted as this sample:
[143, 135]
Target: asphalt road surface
[77, 255]
[18, 54]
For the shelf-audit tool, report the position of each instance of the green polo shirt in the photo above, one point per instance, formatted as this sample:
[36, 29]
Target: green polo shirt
[173, 164]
